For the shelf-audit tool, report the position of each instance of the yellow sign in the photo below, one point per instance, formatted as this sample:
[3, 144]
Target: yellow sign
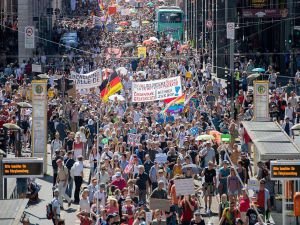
[188, 74]
[142, 51]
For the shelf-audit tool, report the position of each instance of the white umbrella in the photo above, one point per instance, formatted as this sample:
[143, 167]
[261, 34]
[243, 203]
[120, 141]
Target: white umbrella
[253, 76]
[116, 97]
[141, 73]
[296, 127]
[154, 39]
[122, 70]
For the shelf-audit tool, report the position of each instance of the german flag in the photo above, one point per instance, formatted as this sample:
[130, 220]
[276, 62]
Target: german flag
[110, 86]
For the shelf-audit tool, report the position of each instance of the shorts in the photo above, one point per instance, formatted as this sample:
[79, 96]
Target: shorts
[208, 189]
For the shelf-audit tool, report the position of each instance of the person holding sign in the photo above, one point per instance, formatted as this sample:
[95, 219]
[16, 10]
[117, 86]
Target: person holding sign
[188, 206]
[160, 192]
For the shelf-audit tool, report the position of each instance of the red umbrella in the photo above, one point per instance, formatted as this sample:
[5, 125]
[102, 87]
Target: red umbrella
[124, 23]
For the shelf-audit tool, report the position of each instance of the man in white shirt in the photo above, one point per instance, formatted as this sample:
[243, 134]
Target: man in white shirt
[289, 111]
[78, 177]
[100, 195]
[106, 153]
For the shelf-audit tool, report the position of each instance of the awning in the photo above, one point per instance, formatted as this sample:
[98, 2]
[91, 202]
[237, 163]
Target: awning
[12, 210]
[271, 141]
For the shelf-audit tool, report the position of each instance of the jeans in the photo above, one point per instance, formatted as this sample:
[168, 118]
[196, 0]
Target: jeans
[69, 187]
[78, 183]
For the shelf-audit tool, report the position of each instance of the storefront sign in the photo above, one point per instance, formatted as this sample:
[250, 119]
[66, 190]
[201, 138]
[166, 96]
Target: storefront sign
[285, 170]
[22, 167]
[88, 80]
[156, 89]
[259, 3]
[39, 120]
[261, 101]
[264, 13]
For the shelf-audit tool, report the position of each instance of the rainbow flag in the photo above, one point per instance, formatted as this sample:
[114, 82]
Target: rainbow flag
[175, 105]
[101, 6]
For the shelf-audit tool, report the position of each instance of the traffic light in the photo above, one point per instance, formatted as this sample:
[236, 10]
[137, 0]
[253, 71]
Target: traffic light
[296, 38]
[58, 84]
[68, 84]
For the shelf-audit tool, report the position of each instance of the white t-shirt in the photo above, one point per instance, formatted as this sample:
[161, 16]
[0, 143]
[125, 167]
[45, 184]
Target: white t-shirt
[84, 204]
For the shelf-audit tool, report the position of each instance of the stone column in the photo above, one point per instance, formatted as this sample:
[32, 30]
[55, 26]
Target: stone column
[24, 19]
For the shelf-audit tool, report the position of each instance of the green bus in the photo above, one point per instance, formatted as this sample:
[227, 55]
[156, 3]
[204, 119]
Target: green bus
[170, 20]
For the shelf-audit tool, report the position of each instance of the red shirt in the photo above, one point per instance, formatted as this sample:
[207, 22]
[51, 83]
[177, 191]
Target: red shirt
[187, 213]
[121, 184]
[261, 199]
[244, 204]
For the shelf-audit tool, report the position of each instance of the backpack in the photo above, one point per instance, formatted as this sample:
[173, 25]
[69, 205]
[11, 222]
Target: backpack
[49, 213]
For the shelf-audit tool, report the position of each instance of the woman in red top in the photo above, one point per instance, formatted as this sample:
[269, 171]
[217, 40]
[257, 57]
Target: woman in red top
[244, 204]
[188, 207]
[112, 206]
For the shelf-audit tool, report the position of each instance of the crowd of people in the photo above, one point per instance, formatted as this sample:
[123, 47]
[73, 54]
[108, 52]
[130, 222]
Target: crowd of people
[85, 130]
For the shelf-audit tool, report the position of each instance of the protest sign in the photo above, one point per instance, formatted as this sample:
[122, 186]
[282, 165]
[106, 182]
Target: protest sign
[148, 217]
[156, 89]
[133, 139]
[88, 80]
[36, 68]
[142, 51]
[97, 21]
[125, 12]
[253, 184]
[184, 186]
[162, 204]
[161, 157]
[112, 10]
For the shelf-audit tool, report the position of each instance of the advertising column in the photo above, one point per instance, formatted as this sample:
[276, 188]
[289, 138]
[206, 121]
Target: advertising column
[39, 120]
[261, 101]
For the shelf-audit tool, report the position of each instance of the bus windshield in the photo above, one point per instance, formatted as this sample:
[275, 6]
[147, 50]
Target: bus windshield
[170, 17]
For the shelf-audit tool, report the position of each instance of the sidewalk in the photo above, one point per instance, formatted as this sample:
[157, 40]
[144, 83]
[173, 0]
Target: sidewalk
[37, 212]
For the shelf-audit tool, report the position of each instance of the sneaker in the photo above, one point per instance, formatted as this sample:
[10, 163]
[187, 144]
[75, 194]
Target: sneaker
[208, 211]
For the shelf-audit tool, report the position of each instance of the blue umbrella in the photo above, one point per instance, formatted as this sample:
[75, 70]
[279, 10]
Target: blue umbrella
[259, 70]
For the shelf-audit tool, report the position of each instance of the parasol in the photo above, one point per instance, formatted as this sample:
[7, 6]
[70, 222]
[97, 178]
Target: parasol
[205, 137]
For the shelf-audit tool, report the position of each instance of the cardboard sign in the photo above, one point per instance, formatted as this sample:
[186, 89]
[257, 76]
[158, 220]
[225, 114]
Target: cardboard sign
[162, 204]
[161, 158]
[184, 186]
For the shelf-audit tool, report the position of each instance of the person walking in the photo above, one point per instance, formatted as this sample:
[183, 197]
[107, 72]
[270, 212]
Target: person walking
[69, 162]
[78, 177]
[55, 207]
[62, 182]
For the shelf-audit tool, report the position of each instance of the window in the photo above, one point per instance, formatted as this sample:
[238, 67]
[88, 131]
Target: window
[170, 17]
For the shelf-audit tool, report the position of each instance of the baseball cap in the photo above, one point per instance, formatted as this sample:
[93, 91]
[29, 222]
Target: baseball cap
[118, 174]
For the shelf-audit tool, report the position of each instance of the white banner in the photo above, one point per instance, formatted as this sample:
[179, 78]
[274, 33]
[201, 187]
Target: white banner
[156, 89]
[88, 80]
[261, 101]
[29, 37]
